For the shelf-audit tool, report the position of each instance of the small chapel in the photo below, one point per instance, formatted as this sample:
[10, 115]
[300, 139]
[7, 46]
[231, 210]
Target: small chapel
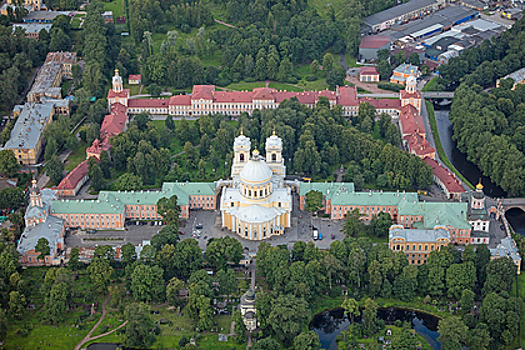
[256, 204]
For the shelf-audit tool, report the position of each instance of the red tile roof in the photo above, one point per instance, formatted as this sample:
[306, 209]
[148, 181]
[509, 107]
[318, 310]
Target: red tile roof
[118, 108]
[74, 177]
[368, 70]
[448, 180]
[123, 94]
[405, 95]
[134, 77]
[149, 103]
[382, 103]
[419, 145]
[411, 122]
[113, 124]
[202, 92]
[180, 100]
[231, 96]
[373, 41]
[348, 96]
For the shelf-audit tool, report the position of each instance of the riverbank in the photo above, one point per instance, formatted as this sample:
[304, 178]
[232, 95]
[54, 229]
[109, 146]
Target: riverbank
[439, 148]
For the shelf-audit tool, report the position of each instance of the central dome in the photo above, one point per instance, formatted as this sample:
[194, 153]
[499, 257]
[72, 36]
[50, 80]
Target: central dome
[256, 170]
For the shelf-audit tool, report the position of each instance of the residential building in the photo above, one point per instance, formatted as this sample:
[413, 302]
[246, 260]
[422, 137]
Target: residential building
[108, 16]
[402, 72]
[56, 68]
[34, 5]
[445, 180]
[368, 74]
[257, 204]
[417, 244]
[418, 145]
[134, 79]
[507, 249]
[7, 8]
[371, 44]
[26, 136]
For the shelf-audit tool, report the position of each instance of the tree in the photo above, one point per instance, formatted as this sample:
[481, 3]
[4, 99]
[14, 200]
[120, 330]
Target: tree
[307, 341]
[128, 182]
[100, 273]
[370, 317]
[173, 292]
[353, 226]
[500, 275]
[351, 307]
[479, 337]
[314, 68]
[137, 332]
[3, 324]
[17, 303]
[227, 281]
[224, 250]
[376, 277]
[328, 64]
[314, 201]
[56, 303]
[8, 163]
[335, 77]
[169, 209]
[154, 90]
[74, 262]
[413, 59]
[460, 277]
[147, 253]
[147, 283]
[239, 328]
[169, 234]
[105, 164]
[266, 344]
[95, 174]
[54, 169]
[42, 247]
[169, 123]
[332, 266]
[467, 300]
[406, 340]
[381, 224]
[453, 333]
[129, 254]
[287, 317]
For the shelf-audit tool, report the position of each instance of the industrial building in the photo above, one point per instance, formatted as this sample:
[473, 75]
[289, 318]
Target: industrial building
[402, 13]
[371, 44]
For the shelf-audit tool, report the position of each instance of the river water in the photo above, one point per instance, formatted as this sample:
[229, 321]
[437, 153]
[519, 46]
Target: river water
[516, 217]
[330, 323]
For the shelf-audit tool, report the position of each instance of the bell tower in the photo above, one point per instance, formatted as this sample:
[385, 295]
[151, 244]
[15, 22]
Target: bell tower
[35, 196]
[274, 154]
[241, 149]
[117, 82]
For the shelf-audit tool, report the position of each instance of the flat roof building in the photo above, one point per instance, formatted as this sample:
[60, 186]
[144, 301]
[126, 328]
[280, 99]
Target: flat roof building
[44, 16]
[32, 30]
[370, 44]
[56, 67]
[406, 11]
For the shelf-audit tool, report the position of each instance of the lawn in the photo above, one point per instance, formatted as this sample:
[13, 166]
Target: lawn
[323, 7]
[430, 85]
[440, 150]
[245, 86]
[134, 89]
[117, 6]
[76, 21]
[76, 157]
[284, 86]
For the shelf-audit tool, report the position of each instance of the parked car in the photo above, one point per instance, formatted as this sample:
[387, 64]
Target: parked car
[320, 236]
[333, 235]
[181, 232]
[198, 226]
[91, 231]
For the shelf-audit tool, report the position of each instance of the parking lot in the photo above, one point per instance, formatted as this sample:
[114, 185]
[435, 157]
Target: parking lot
[211, 227]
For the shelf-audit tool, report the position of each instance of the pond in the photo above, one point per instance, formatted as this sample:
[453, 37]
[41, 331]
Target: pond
[330, 323]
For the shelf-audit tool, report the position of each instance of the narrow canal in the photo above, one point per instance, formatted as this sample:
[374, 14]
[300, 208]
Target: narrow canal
[471, 172]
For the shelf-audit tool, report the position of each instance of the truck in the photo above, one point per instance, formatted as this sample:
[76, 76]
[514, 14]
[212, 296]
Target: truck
[315, 234]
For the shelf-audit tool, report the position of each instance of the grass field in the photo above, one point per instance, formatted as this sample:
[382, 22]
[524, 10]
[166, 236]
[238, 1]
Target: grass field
[430, 85]
[133, 89]
[440, 150]
[284, 86]
[76, 21]
[117, 6]
[76, 157]
[245, 86]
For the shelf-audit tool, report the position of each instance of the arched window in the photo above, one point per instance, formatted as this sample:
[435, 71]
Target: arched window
[260, 193]
[274, 157]
[241, 157]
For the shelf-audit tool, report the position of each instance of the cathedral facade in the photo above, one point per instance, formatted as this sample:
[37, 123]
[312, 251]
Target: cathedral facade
[256, 204]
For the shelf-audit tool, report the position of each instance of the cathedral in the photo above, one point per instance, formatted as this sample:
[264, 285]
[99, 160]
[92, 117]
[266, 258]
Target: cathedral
[256, 204]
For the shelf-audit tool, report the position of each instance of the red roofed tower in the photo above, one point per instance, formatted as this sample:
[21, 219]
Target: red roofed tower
[411, 96]
[118, 94]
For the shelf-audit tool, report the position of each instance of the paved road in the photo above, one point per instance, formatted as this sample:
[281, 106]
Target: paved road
[379, 95]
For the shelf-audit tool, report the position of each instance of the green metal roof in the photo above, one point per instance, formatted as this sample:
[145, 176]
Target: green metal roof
[371, 198]
[113, 202]
[326, 188]
[437, 213]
